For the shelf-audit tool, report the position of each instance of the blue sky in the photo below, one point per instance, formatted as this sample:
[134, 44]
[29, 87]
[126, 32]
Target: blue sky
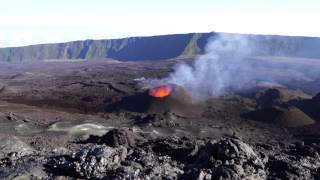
[24, 22]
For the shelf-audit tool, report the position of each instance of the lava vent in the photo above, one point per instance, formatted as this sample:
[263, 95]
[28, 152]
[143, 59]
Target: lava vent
[161, 91]
[160, 99]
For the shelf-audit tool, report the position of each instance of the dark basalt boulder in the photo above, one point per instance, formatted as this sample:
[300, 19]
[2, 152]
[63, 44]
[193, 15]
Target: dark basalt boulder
[103, 162]
[181, 149]
[114, 138]
[303, 150]
[186, 158]
[93, 162]
[119, 137]
[228, 159]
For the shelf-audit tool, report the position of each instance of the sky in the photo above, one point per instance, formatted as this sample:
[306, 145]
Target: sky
[26, 22]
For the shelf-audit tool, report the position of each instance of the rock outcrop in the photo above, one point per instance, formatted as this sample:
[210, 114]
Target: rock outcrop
[167, 158]
[157, 48]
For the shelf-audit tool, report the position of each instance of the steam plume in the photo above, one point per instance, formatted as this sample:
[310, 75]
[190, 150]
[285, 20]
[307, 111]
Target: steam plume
[221, 67]
[237, 63]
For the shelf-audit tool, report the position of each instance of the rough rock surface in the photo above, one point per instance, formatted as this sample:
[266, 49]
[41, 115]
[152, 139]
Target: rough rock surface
[93, 162]
[116, 137]
[49, 109]
[228, 159]
[24, 167]
[181, 149]
[169, 157]
[157, 48]
[101, 161]
[14, 147]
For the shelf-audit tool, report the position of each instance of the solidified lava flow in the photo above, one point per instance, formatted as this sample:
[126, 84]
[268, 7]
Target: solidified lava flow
[161, 91]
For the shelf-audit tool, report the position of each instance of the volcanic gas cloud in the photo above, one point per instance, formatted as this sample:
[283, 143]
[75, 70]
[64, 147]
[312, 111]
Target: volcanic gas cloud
[161, 91]
[222, 67]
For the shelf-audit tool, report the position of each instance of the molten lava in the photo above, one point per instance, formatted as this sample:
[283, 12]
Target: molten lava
[161, 91]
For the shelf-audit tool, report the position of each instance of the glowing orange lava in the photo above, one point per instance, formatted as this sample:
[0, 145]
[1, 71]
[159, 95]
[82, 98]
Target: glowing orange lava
[161, 91]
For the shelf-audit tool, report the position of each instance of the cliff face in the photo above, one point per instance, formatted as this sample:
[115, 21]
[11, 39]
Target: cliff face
[157, 48]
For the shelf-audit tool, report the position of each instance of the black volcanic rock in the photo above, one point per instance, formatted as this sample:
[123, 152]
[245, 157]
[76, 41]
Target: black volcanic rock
[114, 138]
[170, 157]
[227, 159]
[181, 149]
[93, 162]
[284, 167]
[114, 163]
[300, 149]
[119, 137]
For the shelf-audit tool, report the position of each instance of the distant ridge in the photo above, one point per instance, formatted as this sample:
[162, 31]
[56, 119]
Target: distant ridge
[157, 48]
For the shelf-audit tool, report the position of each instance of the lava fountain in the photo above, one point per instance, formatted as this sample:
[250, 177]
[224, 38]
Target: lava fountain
[161, 91]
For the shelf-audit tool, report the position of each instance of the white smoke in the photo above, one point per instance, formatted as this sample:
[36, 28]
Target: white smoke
[235, 63]
[223, 66]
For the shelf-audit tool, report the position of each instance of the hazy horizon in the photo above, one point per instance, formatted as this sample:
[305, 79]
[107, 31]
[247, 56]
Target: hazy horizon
[37, 22]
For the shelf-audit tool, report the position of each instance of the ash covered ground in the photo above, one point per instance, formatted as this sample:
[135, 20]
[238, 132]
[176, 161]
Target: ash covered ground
[94, 120]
